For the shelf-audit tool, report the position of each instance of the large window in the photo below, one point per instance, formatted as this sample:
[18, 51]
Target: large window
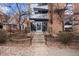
[68, 23]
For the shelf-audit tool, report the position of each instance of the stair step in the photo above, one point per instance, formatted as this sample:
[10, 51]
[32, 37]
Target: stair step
[38, 38]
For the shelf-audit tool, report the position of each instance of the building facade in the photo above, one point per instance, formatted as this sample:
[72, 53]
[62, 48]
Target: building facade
[56, 16]
[39, 17]
[63, 17]
[52, 17]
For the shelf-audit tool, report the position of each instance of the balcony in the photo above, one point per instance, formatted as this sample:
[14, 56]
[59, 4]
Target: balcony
[37, 6]
[42, 4]
[42, 16]
[68, 12]
[40, 10]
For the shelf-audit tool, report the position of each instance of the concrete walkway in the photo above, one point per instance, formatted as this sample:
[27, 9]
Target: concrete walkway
[38, 48]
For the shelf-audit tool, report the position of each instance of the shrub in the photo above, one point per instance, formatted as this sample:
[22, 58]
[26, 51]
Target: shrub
[3, 36]
[67, 37]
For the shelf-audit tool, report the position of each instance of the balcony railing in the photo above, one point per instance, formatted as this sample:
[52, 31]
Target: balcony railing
[42, 4]
[36, 6]
[40, 16]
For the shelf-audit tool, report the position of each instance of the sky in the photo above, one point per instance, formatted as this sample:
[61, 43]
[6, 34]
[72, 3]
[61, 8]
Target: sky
[11, 8]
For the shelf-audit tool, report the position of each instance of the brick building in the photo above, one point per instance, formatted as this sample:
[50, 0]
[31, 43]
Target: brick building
[76, 16]
[39, 17]
[63, 17]
[55, 17]
[60, 16]
[12, 22]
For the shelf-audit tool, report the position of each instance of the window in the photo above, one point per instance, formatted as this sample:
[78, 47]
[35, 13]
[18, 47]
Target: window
[1, 26]
[68, 29]
[36, 12]
[42, 4]
[68, 20]
[68, 23]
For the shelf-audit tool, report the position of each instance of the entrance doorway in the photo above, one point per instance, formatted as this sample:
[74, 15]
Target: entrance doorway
[39, 26]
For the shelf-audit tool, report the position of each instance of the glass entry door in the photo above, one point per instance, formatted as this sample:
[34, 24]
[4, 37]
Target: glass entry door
[38, 26]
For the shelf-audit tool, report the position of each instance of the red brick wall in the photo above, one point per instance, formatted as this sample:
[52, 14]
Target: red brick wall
[57, 24]
[76, 16]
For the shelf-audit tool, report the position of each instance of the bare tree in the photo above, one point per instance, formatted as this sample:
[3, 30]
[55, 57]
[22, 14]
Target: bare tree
[21, 14]
[60, 13]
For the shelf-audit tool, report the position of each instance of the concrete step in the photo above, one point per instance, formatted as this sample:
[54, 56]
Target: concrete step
[37, 41]
[38, 37]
